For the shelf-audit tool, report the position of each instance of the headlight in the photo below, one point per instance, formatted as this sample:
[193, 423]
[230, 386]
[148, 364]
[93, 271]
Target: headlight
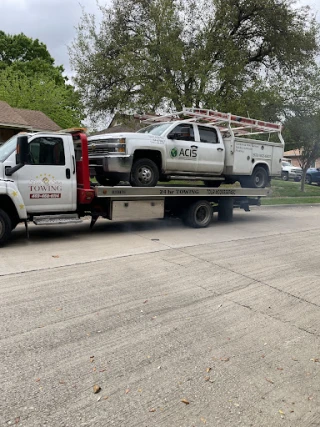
[121, 148]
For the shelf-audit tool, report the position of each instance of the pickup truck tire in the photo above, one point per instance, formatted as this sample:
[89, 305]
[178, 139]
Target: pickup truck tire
[198, 214]
[144, 173]
[212, 184]
[285, 176]
[258, 179]
[106, 181]
[5, 227]
[308, 179]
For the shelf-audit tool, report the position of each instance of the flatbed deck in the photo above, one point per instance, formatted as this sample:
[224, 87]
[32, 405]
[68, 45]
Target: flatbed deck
[168, 191]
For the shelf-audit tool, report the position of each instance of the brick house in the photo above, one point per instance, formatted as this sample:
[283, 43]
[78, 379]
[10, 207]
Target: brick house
[294, 157]
[15, 120]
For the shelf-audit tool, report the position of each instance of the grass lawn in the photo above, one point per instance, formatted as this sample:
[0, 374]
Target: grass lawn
[288, 193]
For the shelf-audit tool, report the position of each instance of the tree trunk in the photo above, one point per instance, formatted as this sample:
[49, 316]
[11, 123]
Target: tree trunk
[303, 179]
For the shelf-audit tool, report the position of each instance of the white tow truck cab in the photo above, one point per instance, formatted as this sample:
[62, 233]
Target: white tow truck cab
[194, 144]
[44, 178]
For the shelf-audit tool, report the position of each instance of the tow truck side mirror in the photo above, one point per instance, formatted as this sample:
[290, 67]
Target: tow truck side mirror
[22, 150]
[22, 153]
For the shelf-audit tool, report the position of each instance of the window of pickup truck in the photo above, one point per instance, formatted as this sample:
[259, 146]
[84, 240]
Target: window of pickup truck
[155, 129]
[208, 135]
[183, 132]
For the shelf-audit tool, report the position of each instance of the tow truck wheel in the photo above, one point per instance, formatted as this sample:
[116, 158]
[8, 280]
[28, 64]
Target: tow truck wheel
[106, 181]
[198, 214]
[5, 227]
[144, 173]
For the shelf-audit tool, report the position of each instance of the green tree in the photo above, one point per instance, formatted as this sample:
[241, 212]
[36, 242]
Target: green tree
[41, 92]
[166, 54]
[29, 79]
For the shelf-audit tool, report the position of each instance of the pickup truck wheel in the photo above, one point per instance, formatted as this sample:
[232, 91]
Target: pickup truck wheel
[5, 227]
[198, 214]
[258, 179]
[106, 181]
[285, 176]
[308, 179]
[212, 184]
[144, 173]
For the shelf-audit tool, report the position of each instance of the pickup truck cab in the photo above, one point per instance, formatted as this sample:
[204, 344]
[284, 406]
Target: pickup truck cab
[185, 150]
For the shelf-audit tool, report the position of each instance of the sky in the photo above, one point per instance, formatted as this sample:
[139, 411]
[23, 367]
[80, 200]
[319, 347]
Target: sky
[53, 22]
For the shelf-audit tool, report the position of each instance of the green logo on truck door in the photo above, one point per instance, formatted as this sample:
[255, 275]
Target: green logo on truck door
[174, 152]
[184, 153]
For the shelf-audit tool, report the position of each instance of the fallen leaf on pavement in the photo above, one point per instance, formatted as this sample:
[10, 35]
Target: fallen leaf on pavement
[269, 381]
[55, 256]
[17, 420]
[208, 369]
[37, 380]
[206, 378]
[152, 410]
[127, 390]
[280, 369]
[144, 302]
[185, 401]
[315, 360]
[105, 397]
[203, 420]
[281, 412]
[96, 389]
[224, 359]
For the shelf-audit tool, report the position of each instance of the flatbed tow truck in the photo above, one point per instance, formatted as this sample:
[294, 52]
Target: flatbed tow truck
[45, 178]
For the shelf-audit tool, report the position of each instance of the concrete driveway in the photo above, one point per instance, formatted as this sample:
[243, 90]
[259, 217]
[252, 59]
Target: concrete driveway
[177, 326]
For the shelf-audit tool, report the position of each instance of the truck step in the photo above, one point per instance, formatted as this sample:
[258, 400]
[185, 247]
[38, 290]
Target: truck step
[56, 219]
[196, 178]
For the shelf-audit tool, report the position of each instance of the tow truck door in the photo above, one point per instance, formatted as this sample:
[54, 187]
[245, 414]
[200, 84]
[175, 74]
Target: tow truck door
[48, 181]
[181, 149]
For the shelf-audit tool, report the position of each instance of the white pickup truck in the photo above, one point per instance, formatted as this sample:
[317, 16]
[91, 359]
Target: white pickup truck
[207, 145]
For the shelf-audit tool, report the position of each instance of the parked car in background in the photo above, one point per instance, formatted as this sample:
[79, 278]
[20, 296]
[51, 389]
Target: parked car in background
[313, 175]
[290, 172]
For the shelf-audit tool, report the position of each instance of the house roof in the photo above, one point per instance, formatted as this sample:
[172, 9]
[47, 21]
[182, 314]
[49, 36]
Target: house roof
[292, 153]
[9, 117]
[25, 119]
[37, 119]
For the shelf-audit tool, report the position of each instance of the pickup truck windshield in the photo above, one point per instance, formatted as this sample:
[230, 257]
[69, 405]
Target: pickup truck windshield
[156, 129]
[8, 148]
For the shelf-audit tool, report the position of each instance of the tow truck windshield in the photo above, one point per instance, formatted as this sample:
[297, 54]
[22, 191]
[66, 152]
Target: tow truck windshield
[8, 148]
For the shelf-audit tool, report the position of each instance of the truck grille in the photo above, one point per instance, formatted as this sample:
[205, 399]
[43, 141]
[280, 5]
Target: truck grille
[99, 150]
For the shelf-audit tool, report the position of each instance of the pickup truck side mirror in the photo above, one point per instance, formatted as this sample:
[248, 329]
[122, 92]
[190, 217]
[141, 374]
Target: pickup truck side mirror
[22, 153]
[172, 136]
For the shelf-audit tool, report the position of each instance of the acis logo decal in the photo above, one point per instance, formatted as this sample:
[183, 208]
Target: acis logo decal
[191, 152]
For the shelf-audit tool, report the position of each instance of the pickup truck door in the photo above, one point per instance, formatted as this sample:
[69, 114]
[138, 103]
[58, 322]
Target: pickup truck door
[211, 150]
[181, 149]
[48, 182]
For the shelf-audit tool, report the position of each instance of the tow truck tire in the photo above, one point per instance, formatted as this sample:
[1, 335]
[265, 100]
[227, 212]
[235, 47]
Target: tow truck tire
[258, 179]
[198, 214]
[212, 184]
[106, 181]
[5, 227]
[144, 173]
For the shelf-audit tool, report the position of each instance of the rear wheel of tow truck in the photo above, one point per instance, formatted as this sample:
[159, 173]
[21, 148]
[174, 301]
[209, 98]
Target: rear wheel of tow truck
[5, 227]
[198, 214]
[144, 173]
[106, 181]
[212, 184]
[258, 179]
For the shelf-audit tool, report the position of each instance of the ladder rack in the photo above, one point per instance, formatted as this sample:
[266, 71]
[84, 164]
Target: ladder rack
[226, 122]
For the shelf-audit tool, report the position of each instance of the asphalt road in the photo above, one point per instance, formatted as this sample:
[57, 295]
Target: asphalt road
[177, 326]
